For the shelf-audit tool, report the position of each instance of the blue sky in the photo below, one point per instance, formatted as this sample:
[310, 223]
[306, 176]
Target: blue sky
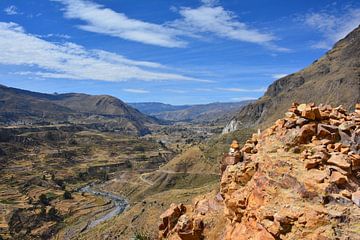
[178, 52]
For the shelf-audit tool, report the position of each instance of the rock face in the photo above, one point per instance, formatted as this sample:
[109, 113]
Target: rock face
[334, 78]
[299, 179]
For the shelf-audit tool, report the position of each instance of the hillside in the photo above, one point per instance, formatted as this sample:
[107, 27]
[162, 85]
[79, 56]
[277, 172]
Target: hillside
[201, 113]
[333, 79]
[20, 106]
[298, 179]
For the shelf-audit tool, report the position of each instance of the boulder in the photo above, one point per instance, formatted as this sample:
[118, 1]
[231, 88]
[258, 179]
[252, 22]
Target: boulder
[329, 132]
[307, 132]
[338, 178]
[339, 160]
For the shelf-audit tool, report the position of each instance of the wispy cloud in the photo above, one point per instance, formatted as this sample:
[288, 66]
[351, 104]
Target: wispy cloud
[218, 21]
[242, 90]
[209, 18]
[11, 10]
[103, 20]
[72, 61]
[332, 27]
[134, 90]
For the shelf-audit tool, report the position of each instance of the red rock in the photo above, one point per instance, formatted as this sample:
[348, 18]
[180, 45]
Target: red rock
[340, 161]
[327, 132]
[317, 175]
[307, 132]
[312, 163]
[355, 161]
[308, 113]
[338, 178]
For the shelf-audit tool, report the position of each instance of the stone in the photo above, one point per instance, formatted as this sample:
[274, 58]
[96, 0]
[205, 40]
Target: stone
[355, 161]
[327, 132]
[307, 132]
[312, 163]
[301, 107]
[308, 113]
[345, 193]
[355, 197]
[301, 121]
[340, 161]
[317, 175]
[345, 126]
[338, 178]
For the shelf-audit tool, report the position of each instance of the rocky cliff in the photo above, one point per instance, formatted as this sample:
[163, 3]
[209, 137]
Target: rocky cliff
[333, 79]
[298, 179]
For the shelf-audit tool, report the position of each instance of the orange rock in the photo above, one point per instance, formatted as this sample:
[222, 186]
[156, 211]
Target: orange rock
[338, 178]
[339, 160]
[317, 175]
[307, 132]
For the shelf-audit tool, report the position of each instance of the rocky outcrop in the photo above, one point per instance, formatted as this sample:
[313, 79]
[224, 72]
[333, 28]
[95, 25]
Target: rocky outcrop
[334, 78]
[299, 179]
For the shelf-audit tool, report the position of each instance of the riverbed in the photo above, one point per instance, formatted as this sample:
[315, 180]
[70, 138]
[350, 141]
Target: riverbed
[120, 205]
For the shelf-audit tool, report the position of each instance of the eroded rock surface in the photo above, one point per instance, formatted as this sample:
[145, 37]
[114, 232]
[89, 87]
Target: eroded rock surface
[299, 179]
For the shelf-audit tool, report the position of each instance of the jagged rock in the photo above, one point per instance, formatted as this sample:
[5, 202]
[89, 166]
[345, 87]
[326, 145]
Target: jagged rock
[329, 132]
[340, 161]
[271, 195]
[338, 178]
[307, 132]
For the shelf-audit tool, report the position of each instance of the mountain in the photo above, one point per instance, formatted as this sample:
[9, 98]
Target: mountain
[21, 106]
[333, 79]
[298, 179]
[201, 113]
[152, 108]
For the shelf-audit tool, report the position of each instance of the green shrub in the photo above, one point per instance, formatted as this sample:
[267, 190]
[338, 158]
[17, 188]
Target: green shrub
[142, 235]
[67, 195]
[44, 199]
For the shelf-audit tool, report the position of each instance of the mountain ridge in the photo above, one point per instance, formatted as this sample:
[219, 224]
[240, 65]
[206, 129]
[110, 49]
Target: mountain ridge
[197, 113]
[332, 79]
[17, 105]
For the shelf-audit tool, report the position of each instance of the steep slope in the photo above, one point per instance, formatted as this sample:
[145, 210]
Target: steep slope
[333, 79]
[201, 113]
[298, 179]
[152, 108]
[21, 106]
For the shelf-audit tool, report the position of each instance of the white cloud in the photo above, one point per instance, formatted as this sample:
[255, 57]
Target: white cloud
[242, 90]
[106, 21]
[210, 2]
[11, 10]
[278, 75]
[134, 90]
[73, 61]
[218, 21]
[332, 27]
[209, 18]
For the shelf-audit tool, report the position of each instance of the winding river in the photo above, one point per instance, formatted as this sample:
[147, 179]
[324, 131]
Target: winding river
[120, 204]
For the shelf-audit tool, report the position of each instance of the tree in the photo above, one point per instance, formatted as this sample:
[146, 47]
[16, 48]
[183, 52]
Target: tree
[67, 195]
[44, 199]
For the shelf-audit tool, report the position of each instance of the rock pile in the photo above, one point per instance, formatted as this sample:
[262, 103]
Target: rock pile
[298, 179]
